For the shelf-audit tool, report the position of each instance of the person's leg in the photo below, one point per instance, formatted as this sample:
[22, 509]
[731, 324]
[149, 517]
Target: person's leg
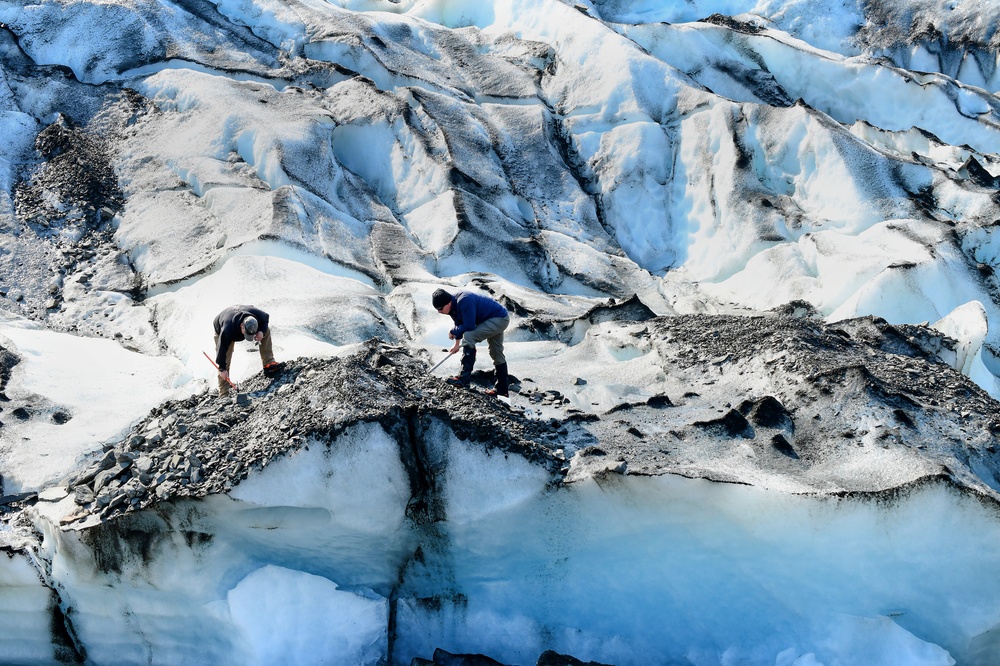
[468, 362]
[223, 384]
[502, 385]
[266, 351]
[495, 328]
[487, 330]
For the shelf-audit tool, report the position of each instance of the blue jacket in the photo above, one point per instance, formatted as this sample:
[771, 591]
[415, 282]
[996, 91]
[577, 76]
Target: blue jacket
[469, 309]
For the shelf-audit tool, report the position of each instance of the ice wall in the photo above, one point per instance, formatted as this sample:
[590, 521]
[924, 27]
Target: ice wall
[323, 556]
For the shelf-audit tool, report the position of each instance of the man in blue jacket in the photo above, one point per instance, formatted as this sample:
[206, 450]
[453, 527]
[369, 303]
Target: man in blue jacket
[241, 322]
[476, 318]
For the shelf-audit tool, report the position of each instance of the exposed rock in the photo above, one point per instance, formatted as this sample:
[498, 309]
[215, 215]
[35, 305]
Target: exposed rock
[768, 412]
[845, 389]
[443, 658]
[53, 494]
[781, 444]
[732, 424]
[631, 309]
[205, 445]
[552, 658]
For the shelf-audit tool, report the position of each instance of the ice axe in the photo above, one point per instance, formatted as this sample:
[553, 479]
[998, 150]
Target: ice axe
[450, 353]
[217, 370]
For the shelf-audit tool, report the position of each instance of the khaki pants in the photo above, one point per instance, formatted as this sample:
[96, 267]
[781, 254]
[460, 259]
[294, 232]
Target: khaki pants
[266, 356]
[490, 330]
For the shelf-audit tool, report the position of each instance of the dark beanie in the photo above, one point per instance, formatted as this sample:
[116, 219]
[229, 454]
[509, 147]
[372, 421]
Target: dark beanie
[440, 298]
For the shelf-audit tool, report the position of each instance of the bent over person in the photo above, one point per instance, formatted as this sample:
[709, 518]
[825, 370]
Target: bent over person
[241, 322]
[477, 318]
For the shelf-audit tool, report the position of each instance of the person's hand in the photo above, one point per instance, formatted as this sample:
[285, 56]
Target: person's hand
[258, 336]
[224, 374]
[455, 348]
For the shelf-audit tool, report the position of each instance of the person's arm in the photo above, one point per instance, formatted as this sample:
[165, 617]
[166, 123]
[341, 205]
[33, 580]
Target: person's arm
[467, 306]
[225, 339]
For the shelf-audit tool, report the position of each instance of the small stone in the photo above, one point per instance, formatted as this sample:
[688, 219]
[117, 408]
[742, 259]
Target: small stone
[126, 458]
[104, 477]
[53, 494]
[83, 495]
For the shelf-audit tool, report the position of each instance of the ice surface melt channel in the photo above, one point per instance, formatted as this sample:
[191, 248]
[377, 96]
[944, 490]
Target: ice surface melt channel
[264, 248]
[145, 71]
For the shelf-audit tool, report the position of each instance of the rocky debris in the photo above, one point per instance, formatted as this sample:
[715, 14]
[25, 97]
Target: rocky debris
[797, 309]
[73, 192]
[17, 498]
[656, 402]
[552, 658]
[830, 394]
[443, 658]
[206, 444]
[732, 424]
[547, 658]
[545, 398]
[62, 233]
[790, 395]
[735, 24]
[782, 445]
[629, 309]
[817, 397]
[569, 330]
[8, 360]
[768, 412]
[593, 461]
[25, 406]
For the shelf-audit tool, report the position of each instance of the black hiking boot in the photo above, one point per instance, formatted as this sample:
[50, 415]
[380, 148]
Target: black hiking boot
[502, 381]
[468, 360]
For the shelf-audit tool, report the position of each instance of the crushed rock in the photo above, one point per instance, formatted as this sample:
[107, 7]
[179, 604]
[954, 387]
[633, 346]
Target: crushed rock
[206, 444]
[782, 396]
[770, 397]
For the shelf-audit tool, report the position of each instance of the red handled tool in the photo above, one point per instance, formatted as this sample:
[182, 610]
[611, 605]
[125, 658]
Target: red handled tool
[217, 369]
